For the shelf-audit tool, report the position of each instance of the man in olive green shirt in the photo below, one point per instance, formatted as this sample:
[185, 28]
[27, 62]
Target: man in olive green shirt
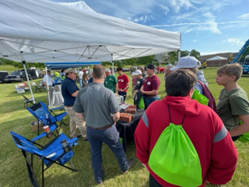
[110, 81]
[233, 105]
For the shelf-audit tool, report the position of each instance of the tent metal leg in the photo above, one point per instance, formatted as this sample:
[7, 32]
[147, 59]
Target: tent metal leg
[30, 88]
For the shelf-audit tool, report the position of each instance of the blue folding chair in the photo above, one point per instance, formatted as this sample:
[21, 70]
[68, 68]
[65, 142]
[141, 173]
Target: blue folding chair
[58, 151]
[40, 110]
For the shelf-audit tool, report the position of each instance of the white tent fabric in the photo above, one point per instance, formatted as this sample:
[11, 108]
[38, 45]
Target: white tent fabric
[45, 31]
[80, 5]
[216, 58]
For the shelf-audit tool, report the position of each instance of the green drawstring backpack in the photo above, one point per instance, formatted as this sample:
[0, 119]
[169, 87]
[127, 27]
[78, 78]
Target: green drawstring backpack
[174, 157]
[244, 138]
[200, 98]
[141, 104]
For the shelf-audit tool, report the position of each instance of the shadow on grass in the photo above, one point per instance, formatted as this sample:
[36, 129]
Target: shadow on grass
[16, 104]
[15, 94]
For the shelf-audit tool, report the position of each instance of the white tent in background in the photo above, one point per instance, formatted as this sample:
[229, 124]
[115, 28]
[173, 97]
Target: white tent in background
[45, 31]
[216, 58]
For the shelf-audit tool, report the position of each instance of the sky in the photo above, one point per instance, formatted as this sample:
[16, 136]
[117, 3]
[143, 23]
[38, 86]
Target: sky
[208, 26]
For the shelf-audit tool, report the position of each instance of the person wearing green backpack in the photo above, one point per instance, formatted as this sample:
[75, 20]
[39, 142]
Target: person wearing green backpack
[182, 142]
[233, 105]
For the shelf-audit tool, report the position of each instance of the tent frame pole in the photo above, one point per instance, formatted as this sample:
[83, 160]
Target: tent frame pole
[47, 86]
[30, 88]
[112, 65]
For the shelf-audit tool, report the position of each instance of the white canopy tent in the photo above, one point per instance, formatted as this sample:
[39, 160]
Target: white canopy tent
[216, 58]
[45, 31]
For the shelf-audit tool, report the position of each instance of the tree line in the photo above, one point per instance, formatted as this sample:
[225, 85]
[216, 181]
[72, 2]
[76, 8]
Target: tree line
[170, 58]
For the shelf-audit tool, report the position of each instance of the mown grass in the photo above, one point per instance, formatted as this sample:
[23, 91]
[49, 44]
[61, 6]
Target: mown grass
[13, 172]
[7, 68]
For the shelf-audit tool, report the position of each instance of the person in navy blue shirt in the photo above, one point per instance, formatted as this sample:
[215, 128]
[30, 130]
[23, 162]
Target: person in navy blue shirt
[91, 78]
[69, 92]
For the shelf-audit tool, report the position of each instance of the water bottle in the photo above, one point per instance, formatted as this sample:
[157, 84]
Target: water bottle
[65, 146]
[48, 119]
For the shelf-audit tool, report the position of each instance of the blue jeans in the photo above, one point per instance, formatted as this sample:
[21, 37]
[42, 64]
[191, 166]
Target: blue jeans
[80, 80]
[149, 100]
[123, 94]
[110, 137]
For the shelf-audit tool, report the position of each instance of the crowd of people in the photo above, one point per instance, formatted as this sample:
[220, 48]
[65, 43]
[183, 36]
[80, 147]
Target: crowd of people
[210, 130]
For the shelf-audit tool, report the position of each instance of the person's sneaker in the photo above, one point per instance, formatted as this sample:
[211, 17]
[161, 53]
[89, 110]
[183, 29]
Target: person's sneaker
[102, 168]
[78, 136]
[131, 162]
[85, 139]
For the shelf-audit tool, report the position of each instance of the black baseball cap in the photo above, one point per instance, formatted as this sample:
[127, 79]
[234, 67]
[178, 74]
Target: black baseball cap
[151, 66]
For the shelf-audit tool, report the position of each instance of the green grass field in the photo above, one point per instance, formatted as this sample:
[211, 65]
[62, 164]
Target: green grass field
[13, 172]
[7, 68]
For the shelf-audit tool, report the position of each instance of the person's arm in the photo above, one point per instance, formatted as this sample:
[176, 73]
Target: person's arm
[239, 107]
[80, 116]
[223, 155]
[153, 92]
[116, 117]
[241, 129]
[127, 86]
[114, 107]
[142, 88]
[45, 84]
[116, 88]
[116, 84]
[44, 81]
[127, 83]
[155, 86]
[142, 139]
[75, 93]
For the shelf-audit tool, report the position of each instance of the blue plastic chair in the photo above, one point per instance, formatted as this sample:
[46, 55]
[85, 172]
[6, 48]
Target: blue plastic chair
[40, 110]
[52, 153]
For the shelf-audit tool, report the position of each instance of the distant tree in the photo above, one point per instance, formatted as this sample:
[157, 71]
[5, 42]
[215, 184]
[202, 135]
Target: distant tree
[6, 61]
[145, 60]
[195, 53]
[132, 61]
[172, 57]
[184, 53]
[106, 63]
[118, 63]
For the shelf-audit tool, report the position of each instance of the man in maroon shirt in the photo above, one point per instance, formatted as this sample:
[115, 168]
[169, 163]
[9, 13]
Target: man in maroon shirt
[123, 82]
[150, 86]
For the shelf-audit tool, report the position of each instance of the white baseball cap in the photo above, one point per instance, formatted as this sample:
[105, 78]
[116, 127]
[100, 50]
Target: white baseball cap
[138, 72]
[169, 66]
[187, 62]
[108, 70]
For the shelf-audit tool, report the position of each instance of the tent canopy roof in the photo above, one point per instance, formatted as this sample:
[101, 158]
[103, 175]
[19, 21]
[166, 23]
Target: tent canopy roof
[57, 32]
[216, 58]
